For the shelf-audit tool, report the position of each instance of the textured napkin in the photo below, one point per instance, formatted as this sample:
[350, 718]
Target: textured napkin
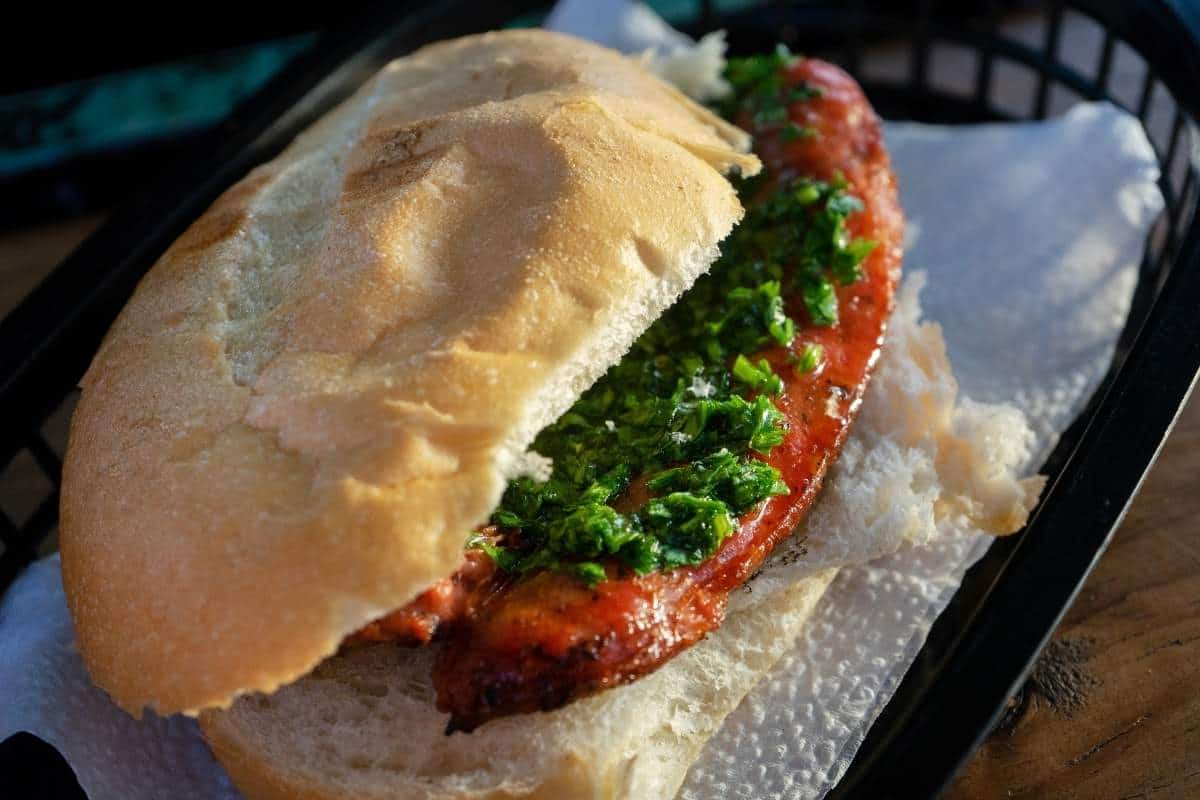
[1030, 235]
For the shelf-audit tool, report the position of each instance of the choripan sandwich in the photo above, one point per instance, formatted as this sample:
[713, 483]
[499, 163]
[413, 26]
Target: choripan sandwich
[439, 457]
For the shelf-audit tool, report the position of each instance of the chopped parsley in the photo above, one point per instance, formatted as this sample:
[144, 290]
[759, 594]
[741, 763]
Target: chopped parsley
[803, 224]
[810, 358]
[791, 132]
[674, 434]
[761, 91]
[758, 377]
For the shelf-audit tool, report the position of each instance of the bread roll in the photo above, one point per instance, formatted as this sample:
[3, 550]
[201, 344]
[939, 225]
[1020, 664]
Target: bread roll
[324, 385]
[364, 725]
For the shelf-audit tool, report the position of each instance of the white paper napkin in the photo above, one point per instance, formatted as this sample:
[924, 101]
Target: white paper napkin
[1031, 235]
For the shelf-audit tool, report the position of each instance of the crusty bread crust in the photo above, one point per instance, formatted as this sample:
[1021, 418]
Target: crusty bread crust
[326, 382]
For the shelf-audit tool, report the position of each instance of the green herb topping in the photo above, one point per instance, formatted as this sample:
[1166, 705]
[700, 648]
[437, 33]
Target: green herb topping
[810, 358]
[674, 434]
[761, 92]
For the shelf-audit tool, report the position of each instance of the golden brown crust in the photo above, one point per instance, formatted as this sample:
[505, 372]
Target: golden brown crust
[325, 383]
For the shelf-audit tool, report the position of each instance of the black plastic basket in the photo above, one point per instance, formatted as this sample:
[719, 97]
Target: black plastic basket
[984, 643]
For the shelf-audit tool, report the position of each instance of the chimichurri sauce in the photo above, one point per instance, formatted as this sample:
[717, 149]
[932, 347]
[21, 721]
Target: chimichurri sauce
[655, 463]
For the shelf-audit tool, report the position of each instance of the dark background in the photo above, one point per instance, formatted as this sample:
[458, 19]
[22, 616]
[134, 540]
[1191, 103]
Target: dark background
[51, 43]
[167, 74]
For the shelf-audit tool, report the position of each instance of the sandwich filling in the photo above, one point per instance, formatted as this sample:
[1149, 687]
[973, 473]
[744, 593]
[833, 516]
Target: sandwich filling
[679, 471]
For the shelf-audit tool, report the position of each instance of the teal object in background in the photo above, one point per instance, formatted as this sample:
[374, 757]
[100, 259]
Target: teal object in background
[47, 127]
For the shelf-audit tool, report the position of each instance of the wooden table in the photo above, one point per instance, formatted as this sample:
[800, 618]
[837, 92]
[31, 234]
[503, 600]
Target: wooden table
[1130, 650]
